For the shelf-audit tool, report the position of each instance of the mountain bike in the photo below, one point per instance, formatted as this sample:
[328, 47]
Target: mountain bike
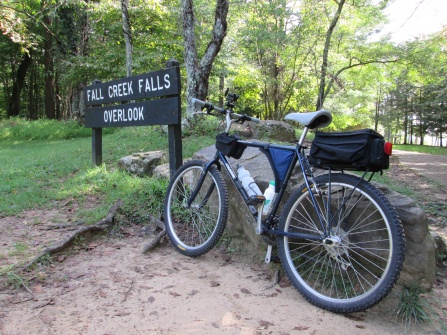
[339, 239]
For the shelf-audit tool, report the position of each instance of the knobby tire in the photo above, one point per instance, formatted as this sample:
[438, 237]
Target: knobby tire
[194, 230]
[363, 261]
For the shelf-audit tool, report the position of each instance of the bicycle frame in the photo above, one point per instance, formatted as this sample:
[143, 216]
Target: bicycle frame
[267, 226]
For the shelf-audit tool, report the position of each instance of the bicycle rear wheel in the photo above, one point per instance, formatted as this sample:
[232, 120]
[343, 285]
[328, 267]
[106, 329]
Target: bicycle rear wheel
[195, 229]
[359, 260]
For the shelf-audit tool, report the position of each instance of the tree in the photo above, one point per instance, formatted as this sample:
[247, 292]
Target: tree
[15, 20]
[416, 101]
[127, 30]
[14, 104]
[322, 90]
[277, 39]
[49, 70]
[198, 72]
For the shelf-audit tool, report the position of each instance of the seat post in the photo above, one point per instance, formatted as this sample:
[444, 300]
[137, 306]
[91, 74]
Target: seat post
[303, 136]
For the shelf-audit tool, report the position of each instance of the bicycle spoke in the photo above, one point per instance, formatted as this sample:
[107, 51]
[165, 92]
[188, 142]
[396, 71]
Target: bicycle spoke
[195, 228]
[341, 272]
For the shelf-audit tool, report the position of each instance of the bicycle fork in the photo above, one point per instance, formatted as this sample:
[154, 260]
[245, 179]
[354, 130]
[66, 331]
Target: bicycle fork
[199, 186]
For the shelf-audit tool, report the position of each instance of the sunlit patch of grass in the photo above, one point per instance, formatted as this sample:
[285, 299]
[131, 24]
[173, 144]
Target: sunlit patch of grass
[416, 307]
[426, 149]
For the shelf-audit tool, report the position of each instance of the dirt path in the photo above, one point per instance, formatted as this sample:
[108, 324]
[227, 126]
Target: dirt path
[426, 175]
[431, 166]
[107, 286]
[111, 288]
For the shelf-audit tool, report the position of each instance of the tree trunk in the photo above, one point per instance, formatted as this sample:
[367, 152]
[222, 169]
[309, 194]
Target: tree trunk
[197, 74]
[50, 81]
[76, 101]
[377, 112]
[31, 103]
[127, 30]
[322, 93]
[221, 89]
[14, 104]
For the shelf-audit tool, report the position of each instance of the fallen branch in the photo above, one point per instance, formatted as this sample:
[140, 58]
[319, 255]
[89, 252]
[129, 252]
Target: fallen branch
[44, 304]
[23, 283]
[130, 287]
[157, 239]
[63, 226]
[100, 225]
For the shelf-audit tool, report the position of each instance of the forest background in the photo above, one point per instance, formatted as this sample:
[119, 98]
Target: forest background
[279, 55]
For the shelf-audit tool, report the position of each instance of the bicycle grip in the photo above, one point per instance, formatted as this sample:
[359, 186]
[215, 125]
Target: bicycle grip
[253, 119]
[201, 103]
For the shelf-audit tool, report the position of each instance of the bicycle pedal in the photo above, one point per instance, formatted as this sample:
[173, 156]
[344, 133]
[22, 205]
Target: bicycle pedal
[256, 199]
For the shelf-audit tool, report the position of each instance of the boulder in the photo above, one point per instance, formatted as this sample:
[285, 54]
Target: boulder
[276, 130]
[142, 164]
[161, 171]
[419, 266]
[420, 256]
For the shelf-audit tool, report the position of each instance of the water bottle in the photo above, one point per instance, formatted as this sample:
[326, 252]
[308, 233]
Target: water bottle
[269, 194]
[248, 182]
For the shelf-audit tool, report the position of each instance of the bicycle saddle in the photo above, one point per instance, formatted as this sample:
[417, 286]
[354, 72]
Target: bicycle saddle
[319, 119]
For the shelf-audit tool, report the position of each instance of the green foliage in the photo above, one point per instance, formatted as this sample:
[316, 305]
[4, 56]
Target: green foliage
[416, 307]
[203, 125]
[271, 57]
[412, 307]
[18, 129]
[13, 278]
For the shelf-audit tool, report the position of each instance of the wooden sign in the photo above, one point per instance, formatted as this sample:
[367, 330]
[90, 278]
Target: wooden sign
[149, 85]
[146, 113]
[143, 100]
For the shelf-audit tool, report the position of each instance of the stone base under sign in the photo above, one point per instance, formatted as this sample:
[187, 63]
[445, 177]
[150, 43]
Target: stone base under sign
[144, 163]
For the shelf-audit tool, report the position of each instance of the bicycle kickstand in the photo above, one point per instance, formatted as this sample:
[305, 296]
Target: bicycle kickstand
[259, 230]
[268, 256]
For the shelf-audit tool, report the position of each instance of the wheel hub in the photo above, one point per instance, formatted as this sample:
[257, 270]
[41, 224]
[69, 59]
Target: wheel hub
[337, 246]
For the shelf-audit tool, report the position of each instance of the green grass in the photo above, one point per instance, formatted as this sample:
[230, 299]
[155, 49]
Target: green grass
[415, 306]
[17, 129]
[426, 149]
[45, 173]
[46, 162]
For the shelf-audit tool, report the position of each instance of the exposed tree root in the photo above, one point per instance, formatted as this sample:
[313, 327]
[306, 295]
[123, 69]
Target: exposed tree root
[100, 225]
[158, 238]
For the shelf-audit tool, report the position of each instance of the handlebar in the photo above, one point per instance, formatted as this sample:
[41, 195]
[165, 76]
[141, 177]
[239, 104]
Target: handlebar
[210, 107]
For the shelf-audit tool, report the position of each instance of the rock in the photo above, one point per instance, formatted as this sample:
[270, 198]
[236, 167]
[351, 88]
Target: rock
[239, 218]
[440, 244]
[420, 260]
[419, 266]
[161, 171]
[142, 163]
[275, 130]
[243, 130]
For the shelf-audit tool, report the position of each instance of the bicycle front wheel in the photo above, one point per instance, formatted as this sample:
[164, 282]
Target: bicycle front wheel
[195, 228]
[360, 254]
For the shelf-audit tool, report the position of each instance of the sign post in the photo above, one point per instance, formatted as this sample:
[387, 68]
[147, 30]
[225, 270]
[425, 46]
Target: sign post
[147, 99]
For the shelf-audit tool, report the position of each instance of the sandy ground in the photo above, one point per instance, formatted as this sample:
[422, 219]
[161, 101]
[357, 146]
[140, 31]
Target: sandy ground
[110, 287]
[107, 286]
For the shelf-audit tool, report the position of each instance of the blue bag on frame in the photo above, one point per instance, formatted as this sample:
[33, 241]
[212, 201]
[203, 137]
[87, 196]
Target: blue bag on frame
[280, 160]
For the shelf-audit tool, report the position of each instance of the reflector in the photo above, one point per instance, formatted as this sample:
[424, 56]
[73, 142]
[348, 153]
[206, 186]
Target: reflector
[388, 148]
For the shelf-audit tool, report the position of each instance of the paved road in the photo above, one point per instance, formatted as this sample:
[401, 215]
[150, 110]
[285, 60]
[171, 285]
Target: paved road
[431, 166]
